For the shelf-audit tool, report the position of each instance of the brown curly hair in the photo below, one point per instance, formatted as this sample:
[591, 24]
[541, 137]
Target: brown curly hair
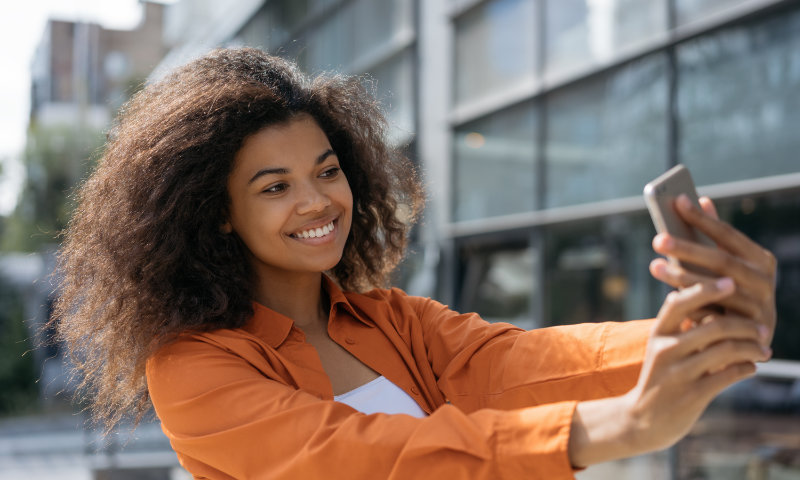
[144, 259]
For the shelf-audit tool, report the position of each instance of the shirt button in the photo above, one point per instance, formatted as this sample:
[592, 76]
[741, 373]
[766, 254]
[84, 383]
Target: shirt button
[349, 341]
[414, 390]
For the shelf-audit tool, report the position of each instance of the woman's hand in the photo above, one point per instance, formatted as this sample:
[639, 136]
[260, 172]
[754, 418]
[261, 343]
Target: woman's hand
[751, 267]
[685, 368]
[682, 372]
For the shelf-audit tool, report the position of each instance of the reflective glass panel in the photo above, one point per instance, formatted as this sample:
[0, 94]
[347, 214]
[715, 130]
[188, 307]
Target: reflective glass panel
[285, 16]
[395, 85]
[494, 164]
[596, 270]
[580, 32]
[330, 46]
[607, 137]
[377, 22]
[498, 284]
[495, 48]
[773, 221]
[687, 11]
[751, 431]
[738, 106]
[258, 31]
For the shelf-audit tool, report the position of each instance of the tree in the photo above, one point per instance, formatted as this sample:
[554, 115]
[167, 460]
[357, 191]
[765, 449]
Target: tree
[56, 159]
[18, 390]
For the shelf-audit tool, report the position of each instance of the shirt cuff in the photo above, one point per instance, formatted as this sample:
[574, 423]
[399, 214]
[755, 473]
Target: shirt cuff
[536, 439]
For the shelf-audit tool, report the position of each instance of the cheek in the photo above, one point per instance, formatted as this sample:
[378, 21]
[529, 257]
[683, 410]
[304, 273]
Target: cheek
[349, 199]
[346, 195]
[255, 224]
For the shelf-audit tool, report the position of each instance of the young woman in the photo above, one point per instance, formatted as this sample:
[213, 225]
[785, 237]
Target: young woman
[224, 264]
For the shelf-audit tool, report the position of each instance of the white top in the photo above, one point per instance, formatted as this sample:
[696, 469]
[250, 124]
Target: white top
[381, 396]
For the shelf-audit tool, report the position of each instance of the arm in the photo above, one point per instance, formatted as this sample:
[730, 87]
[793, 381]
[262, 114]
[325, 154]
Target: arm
[694, 352]
[482, 365]
[226, 420]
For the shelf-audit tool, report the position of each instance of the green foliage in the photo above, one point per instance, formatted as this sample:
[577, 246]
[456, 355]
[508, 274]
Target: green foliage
[18, 391]
[56, 159]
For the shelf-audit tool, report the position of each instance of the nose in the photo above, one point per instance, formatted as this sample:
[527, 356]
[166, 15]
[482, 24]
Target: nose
[312, 199]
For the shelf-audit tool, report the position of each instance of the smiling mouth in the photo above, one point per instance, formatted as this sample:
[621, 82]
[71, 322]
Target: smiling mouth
[315, 232]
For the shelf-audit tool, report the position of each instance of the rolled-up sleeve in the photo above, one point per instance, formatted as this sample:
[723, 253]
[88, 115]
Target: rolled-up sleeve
[497, 365]
[226, 420]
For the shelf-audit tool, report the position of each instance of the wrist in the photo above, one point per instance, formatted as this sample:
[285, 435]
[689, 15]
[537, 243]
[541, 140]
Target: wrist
[600, 432]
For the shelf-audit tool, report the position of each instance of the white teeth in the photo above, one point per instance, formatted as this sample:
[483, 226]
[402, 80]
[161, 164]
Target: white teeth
[315, 232]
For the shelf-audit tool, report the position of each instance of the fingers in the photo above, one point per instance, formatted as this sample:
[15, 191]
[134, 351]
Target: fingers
[720, 356]
[674, 275]
[709, 386]
[727, 237]
[715, 260]
[755, 290]
[679, 304]
[746, 302]
[715, 328]
[709, 208]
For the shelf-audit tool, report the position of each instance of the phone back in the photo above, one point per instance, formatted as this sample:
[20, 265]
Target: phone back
[660, 196]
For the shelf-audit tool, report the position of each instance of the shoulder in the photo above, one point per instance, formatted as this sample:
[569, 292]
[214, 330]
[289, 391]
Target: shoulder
[188, 360]
[430, 317]
[189, 350]
[200, 344]
[394, 303]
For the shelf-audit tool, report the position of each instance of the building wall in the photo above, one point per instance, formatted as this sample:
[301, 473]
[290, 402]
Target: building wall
[537, 123]
[83, 66]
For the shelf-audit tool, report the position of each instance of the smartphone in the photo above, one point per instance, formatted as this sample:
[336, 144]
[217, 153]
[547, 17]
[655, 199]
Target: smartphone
[660, 196]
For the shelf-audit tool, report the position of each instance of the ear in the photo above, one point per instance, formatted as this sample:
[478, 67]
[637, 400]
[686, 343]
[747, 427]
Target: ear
[226, 228]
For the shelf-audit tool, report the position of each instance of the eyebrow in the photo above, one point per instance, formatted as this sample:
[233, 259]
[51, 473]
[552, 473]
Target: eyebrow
[283, 171]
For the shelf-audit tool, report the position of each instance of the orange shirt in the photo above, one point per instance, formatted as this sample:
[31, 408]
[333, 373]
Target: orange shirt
[255, 402]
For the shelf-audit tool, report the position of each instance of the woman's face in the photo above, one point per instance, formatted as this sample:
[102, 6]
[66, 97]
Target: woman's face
[290, 201]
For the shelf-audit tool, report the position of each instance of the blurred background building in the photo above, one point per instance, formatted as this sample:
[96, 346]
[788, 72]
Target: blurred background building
[536, 124]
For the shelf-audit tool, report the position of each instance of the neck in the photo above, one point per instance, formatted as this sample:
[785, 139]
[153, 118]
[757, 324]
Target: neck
[298, 297]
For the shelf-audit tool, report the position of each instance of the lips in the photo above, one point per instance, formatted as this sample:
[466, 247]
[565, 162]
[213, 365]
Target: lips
[317, 232]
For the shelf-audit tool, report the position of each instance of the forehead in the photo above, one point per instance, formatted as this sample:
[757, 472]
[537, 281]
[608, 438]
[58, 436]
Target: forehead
[298, 139]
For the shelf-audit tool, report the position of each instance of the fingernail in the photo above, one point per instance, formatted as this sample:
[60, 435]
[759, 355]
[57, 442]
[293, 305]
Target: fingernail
[767, 352]
[659, 268]
[664, 240]
[724, 284]
[683, 202]
[763, 331]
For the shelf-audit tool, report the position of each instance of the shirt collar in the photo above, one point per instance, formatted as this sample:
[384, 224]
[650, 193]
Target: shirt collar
[339, 299]
[275, 327]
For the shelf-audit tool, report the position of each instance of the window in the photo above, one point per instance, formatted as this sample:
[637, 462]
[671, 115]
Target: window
[688, 11]
[495, 48]
[494, 164]
[749, 432]
[607, 136]
[581, 32]
[597, 270]
[498, 283]
[395, 90]
[737, 98]
[377, 23]
[771, 221]
[330, 45]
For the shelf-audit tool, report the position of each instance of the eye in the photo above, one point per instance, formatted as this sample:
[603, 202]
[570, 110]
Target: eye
[277, 188]
[331, 172]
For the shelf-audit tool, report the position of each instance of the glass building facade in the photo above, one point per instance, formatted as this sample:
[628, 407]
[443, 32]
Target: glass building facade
[536, 124]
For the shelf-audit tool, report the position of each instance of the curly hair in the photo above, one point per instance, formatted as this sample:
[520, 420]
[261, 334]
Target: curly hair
[143, 258]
